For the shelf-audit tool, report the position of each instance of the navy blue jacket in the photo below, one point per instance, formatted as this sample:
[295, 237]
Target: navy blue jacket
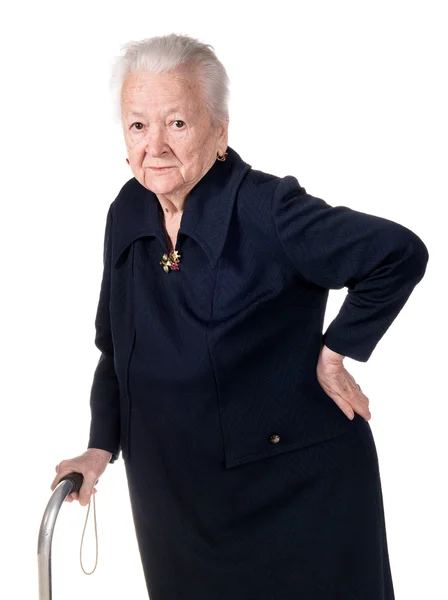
[270, 252]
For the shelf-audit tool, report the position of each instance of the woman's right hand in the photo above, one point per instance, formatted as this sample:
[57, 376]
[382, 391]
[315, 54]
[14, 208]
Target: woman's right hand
[92, 463]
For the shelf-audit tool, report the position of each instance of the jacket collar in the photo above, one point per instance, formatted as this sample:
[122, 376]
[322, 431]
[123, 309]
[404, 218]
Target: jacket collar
[206, 215]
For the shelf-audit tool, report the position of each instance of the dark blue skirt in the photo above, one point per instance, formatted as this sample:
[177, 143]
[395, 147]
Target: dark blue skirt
[308, 523]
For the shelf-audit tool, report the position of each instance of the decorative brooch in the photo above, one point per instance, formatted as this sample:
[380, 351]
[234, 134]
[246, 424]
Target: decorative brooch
[171, 261]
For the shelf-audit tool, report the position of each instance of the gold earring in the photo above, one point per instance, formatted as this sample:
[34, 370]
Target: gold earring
[221, 157]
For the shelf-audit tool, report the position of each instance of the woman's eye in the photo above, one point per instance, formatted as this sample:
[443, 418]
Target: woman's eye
[139, 126]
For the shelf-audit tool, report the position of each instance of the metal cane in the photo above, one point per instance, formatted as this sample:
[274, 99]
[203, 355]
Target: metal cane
[68, 484]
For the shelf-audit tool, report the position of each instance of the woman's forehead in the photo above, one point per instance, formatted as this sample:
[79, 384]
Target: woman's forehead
[173, 90]
[172, 81]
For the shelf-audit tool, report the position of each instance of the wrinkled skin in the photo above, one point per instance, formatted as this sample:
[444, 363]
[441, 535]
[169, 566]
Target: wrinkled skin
[157, 135]
[340, 385]
[92, 463]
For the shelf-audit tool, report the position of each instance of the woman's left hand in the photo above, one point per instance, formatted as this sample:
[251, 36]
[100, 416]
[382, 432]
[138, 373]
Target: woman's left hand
[340, 385]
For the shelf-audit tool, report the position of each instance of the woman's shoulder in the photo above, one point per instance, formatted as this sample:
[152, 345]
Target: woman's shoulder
[262, 187]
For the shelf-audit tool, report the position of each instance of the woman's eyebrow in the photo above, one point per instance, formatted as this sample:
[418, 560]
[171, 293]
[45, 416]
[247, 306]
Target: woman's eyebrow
[139, 114]
[136, 114]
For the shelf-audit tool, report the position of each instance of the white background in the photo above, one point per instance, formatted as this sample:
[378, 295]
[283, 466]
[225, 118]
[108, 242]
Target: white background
[349, 97]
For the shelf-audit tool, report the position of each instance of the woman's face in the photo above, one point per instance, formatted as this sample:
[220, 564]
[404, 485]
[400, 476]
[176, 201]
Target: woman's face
[166, 124]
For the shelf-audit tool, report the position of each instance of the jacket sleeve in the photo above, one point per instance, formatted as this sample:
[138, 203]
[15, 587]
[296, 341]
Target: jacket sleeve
[378, 260]
[104, 396]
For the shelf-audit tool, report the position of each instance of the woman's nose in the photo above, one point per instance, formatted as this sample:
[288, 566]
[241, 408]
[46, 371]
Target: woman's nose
[156, 142]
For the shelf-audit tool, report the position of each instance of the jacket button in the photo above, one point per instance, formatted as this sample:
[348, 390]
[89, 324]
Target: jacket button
[274, 438]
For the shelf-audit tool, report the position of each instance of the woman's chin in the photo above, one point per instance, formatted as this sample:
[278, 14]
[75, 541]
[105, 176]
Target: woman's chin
[161, 184]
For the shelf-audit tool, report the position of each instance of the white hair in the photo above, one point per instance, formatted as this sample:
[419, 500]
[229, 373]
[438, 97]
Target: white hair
[167, 53]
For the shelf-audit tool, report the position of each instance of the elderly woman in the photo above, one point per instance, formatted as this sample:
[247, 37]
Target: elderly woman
[251, 465]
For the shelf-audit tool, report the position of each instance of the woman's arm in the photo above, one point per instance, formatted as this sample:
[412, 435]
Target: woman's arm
[378, 260]
[104, 396]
